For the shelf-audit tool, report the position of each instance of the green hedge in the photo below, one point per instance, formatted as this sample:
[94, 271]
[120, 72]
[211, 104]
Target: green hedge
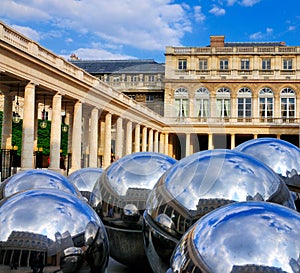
[43, 137]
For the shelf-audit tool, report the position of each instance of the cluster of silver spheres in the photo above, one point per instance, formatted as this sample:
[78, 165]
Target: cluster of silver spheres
[216, 211]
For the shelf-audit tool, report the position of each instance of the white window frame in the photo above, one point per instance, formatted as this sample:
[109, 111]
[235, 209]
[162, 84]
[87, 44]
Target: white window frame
[244, 93]
[181, 102]
[202, 103]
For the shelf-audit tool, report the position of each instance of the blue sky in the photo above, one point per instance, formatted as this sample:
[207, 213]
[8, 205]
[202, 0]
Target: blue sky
[130, 29]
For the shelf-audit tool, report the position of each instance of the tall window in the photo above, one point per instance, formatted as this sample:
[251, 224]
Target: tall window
[245, 64]
[202, 64]
[287, 64]
[266, 98]
[288, 103]
[223, 64]
[181, 102]
[223, 102]
[266, 64]
[134, 78]
[202, 103]
[182, 64]
[244, 103]
[151, 78]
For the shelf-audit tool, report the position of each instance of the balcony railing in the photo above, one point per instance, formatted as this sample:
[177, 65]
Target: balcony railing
[258, 121]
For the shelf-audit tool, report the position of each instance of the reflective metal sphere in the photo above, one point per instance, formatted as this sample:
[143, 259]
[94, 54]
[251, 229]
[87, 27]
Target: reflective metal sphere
[85, 179]
[241, 237]
[197, 185]
[36, 179]
[122, 190]
[282, 156]
[63, 228]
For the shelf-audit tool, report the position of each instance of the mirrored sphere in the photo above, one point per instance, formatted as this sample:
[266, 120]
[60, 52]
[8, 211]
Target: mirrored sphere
[198, 184]
[123, 189]
[241, 237]
[282, 156]
[36, 179]
[85, 179]
[64, 229]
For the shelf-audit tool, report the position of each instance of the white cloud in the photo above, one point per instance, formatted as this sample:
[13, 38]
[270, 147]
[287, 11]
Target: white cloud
[144, 24]
[217, 11]
[28, 32]
[199, 16]
[269, 30]
[291, 28]
[249, 3]
[246, 3]
[231, 2]
[256, 36]
[97, 54]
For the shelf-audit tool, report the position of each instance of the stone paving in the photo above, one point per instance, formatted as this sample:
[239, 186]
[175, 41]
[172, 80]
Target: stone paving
[113, 267]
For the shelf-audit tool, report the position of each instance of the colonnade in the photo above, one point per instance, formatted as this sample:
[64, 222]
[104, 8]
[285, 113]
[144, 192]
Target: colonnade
[91, 132]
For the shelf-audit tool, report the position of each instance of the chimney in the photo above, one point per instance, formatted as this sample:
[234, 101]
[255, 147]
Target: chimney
[217, 41]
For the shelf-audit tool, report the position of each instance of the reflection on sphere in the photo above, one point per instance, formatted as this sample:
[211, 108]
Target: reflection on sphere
[241, 237]
[199, 184]
[120, 196]
[36, 179]
[55, 224]
[85, 179]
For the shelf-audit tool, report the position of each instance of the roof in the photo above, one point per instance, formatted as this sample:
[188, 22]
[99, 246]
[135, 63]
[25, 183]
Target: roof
[119, 66]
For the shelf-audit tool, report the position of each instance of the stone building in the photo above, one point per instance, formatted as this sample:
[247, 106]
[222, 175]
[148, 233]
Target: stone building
[142, 80]
[233, 92]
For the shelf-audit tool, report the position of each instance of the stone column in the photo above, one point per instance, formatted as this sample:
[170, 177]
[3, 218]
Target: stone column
[107, 141]
[232, 141]
[150, 141]
[161, 143]
[93, 141]
[137, 140]
[166, 144]
[156, 141]
[55, 135]
[85, 139]
[101, 139]
[128, 137]
[119, 138]
[187, 144]
[7, 125]
[144, 139]
[36, 125]
[76, 137]
[27, 159]
[210, 142]
[69, 122]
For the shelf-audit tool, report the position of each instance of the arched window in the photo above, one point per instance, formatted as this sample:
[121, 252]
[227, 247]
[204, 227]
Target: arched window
[266, 103]
[202, 108]
[244, 100]
[288, 104]
[223, 102]
[181, 102]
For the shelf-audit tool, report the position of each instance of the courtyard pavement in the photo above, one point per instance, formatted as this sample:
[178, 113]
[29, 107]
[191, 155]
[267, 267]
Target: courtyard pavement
[113, 267]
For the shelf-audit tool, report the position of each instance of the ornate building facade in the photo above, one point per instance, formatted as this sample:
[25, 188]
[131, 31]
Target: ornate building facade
[233, 92]
[141, 80]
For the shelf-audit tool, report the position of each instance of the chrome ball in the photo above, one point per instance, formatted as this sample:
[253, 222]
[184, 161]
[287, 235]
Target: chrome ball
[36, 179]
[282, 156]
[198, 184]
[56, 224]
[278, 154]
[241, 237]
[122, 190]
[85, 179]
